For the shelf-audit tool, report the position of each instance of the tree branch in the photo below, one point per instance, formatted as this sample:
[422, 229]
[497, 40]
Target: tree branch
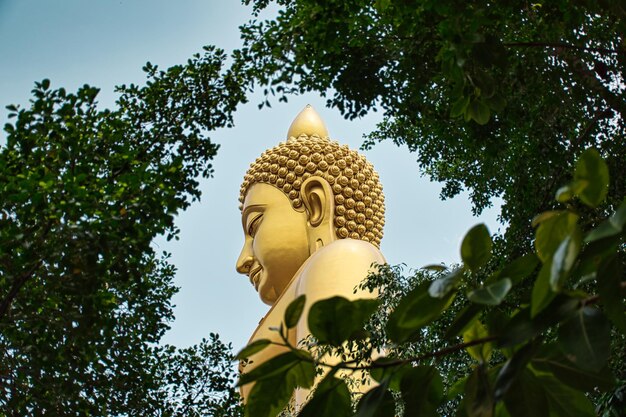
[15, 288]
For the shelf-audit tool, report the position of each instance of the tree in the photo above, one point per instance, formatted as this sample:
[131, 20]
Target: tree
[537, 358]
[496, 98]
[84, 297]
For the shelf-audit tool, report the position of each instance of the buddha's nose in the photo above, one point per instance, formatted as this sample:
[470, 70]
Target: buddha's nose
[245, 261]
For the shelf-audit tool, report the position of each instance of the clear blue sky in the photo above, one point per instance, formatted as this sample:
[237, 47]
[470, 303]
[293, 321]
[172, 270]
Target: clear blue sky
[105, 43]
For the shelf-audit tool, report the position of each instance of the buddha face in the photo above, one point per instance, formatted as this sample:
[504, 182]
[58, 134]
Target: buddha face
[276, 242]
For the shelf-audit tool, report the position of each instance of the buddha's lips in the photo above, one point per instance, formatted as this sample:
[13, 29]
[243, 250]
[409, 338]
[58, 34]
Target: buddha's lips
[254, 276]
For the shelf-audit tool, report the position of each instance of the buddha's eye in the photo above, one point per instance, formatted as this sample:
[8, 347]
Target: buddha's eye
[254, 225]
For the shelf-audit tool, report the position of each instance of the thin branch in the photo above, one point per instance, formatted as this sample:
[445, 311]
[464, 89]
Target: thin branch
[15, 288]
[600, 115]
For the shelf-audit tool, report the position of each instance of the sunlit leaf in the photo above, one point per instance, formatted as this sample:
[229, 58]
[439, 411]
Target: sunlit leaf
[551, 232]
[481, 352]
[593, 172]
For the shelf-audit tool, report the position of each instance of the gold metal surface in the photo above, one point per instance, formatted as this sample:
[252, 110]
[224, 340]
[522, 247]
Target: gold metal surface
[312, 215]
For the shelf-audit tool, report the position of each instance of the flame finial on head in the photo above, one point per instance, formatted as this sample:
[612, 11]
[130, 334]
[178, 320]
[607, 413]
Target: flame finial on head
[307, 122]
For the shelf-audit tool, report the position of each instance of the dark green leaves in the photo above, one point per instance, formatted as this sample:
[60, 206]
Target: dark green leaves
[414, 311]
[377, 402]
[294, 311]
[551, 359]
[337, 319]
[421, 388]
[479, 401]
[279, 376]
[331, 398]
[584, 339]
[476, 247]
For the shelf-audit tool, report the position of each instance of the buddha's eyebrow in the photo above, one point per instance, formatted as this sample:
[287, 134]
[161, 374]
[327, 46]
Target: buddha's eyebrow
[250, 209]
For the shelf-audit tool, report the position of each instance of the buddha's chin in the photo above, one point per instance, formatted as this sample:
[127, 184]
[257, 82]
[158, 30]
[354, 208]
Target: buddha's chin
[268, 295]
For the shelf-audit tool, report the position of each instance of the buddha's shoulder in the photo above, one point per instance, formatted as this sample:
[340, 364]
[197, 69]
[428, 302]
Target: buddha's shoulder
[343, 252]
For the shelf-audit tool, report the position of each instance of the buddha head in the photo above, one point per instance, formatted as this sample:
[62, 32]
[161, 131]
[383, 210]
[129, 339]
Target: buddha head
[300, 196]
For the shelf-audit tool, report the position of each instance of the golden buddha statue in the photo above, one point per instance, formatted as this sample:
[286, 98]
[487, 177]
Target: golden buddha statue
[312, 215]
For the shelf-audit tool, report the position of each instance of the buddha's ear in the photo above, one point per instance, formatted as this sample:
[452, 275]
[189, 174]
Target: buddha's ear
[319, 202]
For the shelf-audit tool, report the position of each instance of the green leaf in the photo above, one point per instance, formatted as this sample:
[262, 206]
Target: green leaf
[542, 293]
[252, 348]
[478, 111]
[460, 107]
[476, 247]
[294, 311]
[565, 401]
[268, 397]
[479, 401]
[593, 175]
[611, 293]
[481, 352]
[441, 287]
[551, 232]
[337, 319]
[435, 267]
[421, 388]
[541, 217]
[613, 226]
[377, 402]
[512, 369]
[414, 311]
[299, 361]
[462, 320]
[564, 194]
[564, 259]
[585, 339]
[492, 294]
[550, 359]
[526, 397]
[331, 398]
